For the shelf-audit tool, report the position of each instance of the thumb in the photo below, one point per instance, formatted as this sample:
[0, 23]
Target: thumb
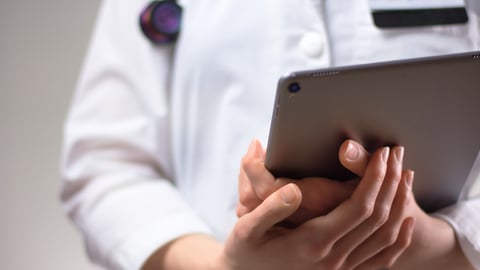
[354, 157]
[277, 207]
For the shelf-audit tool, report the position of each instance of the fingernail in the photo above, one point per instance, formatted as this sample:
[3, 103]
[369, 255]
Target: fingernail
[289, 194]
[352, 152]
[399, 153]
[385, 153]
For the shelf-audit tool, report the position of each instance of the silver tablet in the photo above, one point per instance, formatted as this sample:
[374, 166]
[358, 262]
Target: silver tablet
[429, 105]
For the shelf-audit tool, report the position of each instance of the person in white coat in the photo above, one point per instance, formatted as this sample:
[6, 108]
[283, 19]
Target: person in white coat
[156, 134]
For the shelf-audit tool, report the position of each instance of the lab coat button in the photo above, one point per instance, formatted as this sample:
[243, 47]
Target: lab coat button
[312, 44]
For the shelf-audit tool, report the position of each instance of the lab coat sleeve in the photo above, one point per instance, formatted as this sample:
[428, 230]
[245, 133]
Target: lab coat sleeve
[116, 165]
[464, 217]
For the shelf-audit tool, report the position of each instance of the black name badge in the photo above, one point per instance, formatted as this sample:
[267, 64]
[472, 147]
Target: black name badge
[410, 13]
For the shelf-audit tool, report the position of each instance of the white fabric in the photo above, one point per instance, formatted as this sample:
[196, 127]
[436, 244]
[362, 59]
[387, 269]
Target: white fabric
[155, 135]
[465, 218]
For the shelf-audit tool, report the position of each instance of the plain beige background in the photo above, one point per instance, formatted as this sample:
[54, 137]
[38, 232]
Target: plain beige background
[42, 44]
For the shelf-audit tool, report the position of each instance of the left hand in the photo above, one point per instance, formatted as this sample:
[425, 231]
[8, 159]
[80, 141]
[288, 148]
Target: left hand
[320, 195]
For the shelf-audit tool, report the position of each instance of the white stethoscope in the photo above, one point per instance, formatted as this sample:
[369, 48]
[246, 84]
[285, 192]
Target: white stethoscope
[160, 21]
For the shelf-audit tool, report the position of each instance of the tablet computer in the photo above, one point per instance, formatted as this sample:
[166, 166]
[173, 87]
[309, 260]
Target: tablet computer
[429, 105]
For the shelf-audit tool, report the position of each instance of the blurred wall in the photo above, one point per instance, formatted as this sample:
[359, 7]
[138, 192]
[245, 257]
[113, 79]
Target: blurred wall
[42, 44]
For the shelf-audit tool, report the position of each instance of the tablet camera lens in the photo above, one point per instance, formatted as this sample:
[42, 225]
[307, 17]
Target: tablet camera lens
[294, 87]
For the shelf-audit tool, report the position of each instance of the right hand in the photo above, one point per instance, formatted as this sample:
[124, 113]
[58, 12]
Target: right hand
[348, 236]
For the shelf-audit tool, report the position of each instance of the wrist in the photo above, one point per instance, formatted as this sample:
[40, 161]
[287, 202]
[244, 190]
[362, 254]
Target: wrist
[434, 246]
[450, 254]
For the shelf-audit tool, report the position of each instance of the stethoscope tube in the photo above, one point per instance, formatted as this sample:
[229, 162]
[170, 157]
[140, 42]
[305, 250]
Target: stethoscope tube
[160, 21]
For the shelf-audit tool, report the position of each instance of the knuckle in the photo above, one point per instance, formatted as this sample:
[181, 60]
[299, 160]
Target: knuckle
[246, 161]
[249, 168]
[243, 196]
[240, 211]
[242, 231]
[247, 198]
[262, 191]
[380, 215]
[365, 209]
[389, 237]
[316, 250]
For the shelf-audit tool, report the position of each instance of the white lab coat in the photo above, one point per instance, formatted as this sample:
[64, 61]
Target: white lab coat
[155, 135]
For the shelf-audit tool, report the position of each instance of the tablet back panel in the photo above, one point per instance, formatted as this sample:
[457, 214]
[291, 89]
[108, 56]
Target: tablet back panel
[430, 105]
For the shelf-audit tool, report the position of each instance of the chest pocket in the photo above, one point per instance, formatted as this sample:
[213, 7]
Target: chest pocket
[373, 43]
[405, 13]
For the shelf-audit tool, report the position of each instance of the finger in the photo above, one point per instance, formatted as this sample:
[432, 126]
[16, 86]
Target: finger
[373, 178]
[347, 244]
[322, 195]
[324, 232]
[389, 232]
[248, 199]
[361, 204]
[387, 257]
[354, 157]
[277, 207]
[261, 180]
[380, 215]
[242, 210]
